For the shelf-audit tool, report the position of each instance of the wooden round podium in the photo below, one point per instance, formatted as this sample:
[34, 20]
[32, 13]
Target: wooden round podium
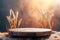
[29, 32]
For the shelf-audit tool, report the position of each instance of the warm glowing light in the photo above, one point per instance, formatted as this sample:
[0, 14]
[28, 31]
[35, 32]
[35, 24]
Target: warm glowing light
[13, 19]
[40, 11]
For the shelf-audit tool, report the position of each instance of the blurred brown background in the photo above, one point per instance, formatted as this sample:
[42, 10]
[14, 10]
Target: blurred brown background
[6, 5]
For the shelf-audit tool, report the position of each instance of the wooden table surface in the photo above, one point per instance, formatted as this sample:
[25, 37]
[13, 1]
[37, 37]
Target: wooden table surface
[54, 36]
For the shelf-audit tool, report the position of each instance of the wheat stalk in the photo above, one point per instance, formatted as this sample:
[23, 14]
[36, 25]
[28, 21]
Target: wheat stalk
[13, 19]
